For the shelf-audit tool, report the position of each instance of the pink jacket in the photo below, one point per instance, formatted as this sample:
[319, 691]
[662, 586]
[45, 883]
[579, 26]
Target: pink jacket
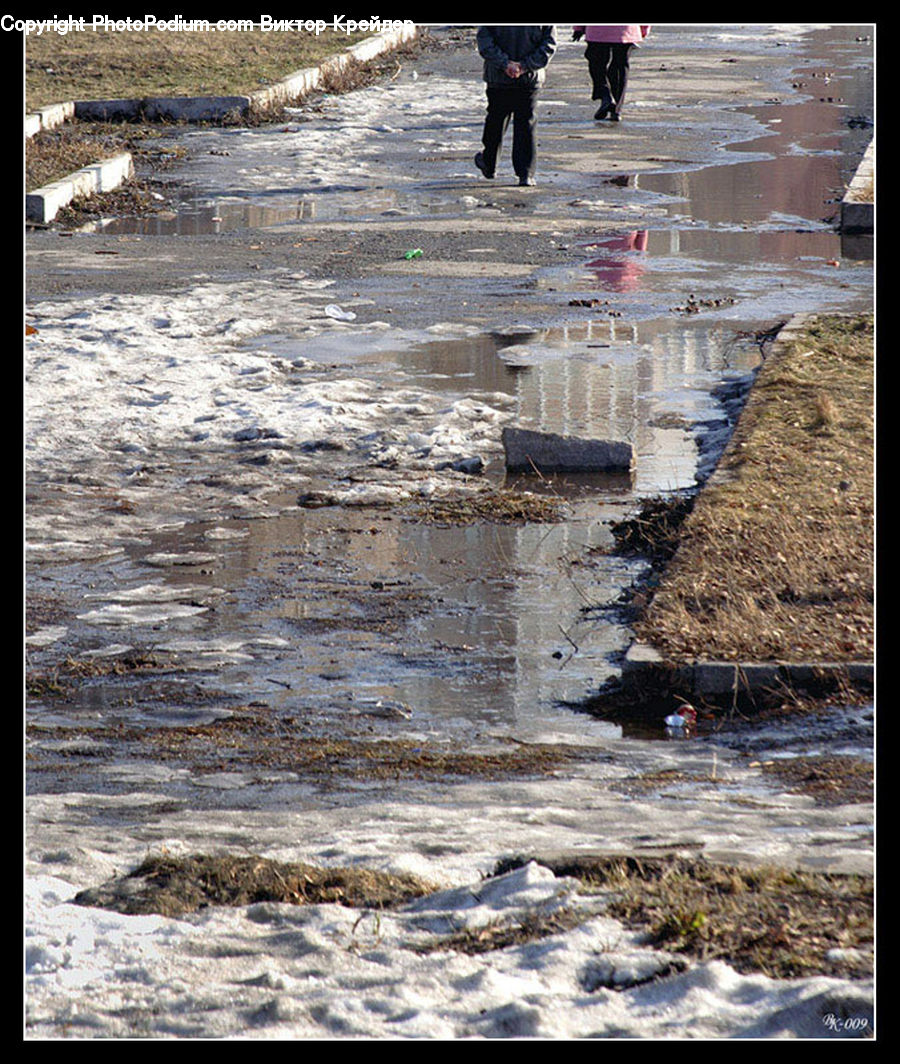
[614, 34]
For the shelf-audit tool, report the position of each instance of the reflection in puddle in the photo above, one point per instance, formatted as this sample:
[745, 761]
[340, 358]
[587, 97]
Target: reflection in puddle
[495, 623]
[639, 382]
[486, 624]
[206, 218]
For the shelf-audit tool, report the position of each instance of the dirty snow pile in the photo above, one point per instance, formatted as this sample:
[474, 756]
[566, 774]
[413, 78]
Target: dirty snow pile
[122, 386]
[326, 971]
[140, 371]
[273, 970]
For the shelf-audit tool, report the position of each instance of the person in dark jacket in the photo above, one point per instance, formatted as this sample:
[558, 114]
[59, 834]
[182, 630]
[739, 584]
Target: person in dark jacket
[515, 61]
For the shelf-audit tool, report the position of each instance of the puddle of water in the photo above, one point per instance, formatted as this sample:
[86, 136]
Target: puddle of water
[207, 217]
[636, 381]
[204, 217]
[483, 625]
[502, 633]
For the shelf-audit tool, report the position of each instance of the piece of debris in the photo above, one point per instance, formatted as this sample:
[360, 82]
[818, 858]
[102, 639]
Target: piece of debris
[530, 451]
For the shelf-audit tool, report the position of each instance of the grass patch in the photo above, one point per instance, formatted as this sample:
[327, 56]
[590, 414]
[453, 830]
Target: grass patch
[784, 923]
[53, 154]
[176, 886]
[254, 739]
[500, 935]
[831, 780]
[492, 506]
[654, 532]
[776, 559]
[88, 66]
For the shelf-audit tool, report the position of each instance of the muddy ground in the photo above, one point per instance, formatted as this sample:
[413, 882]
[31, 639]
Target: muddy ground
[250, 632]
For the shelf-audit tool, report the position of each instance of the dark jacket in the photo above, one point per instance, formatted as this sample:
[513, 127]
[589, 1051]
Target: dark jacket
[530, 45]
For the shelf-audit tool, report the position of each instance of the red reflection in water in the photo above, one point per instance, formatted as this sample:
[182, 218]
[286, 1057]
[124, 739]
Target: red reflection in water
[621, 269]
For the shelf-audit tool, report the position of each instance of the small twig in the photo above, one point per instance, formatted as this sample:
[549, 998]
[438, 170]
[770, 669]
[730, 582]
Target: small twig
[566, 637]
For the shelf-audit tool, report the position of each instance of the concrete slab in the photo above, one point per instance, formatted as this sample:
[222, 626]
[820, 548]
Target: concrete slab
[858, 204]
[194, 108]
[44, 204]
[647, 670]
[108, 110]
[529, 451]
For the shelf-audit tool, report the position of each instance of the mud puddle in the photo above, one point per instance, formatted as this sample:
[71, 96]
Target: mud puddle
[399, 622]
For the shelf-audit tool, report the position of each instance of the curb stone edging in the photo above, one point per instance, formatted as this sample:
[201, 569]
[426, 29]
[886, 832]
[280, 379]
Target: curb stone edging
[43, 204]
[48, 117]
[858, 204]
[303, 81]
[644, 667]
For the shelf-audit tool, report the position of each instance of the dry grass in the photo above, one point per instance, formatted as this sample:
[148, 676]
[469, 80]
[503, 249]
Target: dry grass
[501, 507]
[776, 559]
[252, 739]
[831, 780]
[55, 153]
[175, 886]
[785, 923]
[501, 935]
[87, 66]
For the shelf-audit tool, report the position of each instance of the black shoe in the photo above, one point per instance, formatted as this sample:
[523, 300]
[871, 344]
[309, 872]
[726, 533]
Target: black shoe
[615, 118]
[602, 112]
[479, 162]
[527, 182]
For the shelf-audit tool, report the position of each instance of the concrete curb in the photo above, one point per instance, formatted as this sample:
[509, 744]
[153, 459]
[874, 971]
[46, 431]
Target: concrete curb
[530, 451]
[645, 670]
[43, 204]
[53, 114]
[858, 204]
[304, 81]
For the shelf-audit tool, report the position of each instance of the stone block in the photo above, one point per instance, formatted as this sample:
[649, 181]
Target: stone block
[194, 108]
[531, 451]
[108, 110]
[715, 677]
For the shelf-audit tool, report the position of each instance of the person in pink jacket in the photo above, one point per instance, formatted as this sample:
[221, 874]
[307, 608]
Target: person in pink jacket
[607, 52]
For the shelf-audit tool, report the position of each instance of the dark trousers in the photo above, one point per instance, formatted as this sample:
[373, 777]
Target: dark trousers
[516, 103]
[608, 67]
